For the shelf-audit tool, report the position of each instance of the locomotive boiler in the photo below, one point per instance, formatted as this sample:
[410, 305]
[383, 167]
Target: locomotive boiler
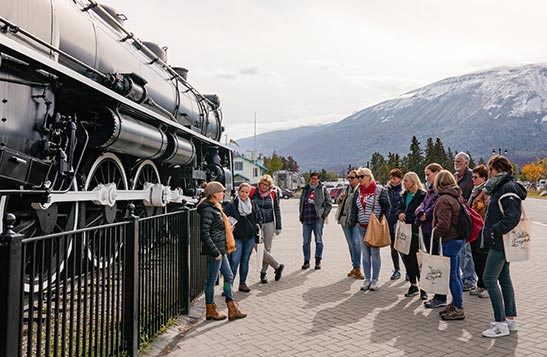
[92, 119]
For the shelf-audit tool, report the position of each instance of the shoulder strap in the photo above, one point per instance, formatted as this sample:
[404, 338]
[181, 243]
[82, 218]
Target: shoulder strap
[508, 194]
[253, 190]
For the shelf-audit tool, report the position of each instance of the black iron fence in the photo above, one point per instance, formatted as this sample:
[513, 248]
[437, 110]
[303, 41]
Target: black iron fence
[97, 291]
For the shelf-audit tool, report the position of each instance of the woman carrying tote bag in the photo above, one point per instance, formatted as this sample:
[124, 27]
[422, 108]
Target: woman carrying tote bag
[413, 195]
[370, 199]
[446, 216]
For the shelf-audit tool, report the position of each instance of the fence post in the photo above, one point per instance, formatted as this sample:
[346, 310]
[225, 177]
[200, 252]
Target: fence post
[10, 289]
[131, 285]
[184, 261]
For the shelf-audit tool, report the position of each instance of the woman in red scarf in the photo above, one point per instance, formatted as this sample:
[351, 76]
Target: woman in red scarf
[371, 198]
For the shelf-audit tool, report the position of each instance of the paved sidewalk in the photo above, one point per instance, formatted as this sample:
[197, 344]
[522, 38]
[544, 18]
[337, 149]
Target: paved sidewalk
[323, 313]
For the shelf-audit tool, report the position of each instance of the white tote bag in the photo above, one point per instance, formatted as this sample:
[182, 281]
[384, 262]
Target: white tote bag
[421, 250]
[259, 248]
[435, 274]
[516, 243]
[403, 237]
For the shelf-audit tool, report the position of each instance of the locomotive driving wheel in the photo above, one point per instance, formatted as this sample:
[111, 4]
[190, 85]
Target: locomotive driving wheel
[43, 260]
[146, 172]
[102, 247]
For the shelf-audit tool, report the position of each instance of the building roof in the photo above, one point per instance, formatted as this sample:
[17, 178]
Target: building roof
[263, 168]
[243, 177]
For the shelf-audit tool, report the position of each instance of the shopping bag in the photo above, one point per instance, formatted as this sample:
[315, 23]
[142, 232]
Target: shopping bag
[259, 248]
[377, 234]
[435, 274]
[403, 237]
[516, 243]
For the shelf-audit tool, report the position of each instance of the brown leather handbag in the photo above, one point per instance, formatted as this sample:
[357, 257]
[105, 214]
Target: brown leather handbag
[377, 234]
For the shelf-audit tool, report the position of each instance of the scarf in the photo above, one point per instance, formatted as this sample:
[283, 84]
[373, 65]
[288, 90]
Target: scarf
[493, 182]
[230, 241]
[365, 192]
[477, 189]
[244, 207]
[264, 194]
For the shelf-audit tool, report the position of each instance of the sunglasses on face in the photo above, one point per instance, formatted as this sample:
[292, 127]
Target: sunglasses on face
[360, 176]
[351, 177]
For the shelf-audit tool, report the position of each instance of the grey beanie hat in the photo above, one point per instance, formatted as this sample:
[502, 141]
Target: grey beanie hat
[212, 188]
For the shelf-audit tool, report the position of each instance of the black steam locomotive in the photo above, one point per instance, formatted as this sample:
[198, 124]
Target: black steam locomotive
[92, 119]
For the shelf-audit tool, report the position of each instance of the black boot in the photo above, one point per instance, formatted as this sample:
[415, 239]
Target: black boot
[317, 263]
[306, 264]
[263, 278]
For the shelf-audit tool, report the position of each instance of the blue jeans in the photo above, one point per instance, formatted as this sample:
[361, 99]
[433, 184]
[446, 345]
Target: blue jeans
[317, 229]
[371, 257]
[467, 265]
[354, 245]
[213, 267]
[452, 249]
[497, 269]
[240, 257]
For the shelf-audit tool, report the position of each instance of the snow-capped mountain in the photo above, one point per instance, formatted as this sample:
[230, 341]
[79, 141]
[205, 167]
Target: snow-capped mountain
[476, 112]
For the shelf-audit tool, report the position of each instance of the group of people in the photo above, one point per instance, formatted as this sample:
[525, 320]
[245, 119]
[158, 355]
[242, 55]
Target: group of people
[228, 233]
[479, 266]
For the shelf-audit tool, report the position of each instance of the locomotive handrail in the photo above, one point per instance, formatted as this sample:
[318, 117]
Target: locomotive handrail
[142, 47]
[31, 55]
[15, 29]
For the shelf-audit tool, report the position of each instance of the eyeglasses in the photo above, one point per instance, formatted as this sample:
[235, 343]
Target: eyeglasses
[360, 176]
[474, 177]
[351, 177]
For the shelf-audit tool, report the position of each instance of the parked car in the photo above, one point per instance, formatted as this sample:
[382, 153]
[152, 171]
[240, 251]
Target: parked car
[286, 193]
[335, 192]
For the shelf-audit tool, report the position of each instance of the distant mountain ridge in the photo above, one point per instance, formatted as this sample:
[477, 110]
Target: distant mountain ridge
[476, 112]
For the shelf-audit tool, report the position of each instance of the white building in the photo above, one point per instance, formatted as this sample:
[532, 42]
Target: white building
[288, 179]
[248, 169]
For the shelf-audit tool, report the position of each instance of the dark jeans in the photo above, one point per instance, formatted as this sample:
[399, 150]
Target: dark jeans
[411, 262]
[479, 260]
[452, 249]
[240, 257]
[213, 267]
[497, 269]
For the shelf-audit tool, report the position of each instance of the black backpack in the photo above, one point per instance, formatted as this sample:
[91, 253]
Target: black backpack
[464, 227]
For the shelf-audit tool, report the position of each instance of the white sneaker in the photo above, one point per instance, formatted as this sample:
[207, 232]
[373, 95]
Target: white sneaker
[483, 294]
[366, 285]
[498, 330]
[511, 325]
[374, 285]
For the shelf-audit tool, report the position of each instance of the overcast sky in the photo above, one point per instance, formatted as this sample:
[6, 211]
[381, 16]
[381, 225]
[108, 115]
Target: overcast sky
[305, 62]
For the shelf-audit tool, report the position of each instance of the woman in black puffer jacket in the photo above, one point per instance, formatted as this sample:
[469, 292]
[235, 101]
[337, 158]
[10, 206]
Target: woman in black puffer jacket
[247, 218]
[218, 240]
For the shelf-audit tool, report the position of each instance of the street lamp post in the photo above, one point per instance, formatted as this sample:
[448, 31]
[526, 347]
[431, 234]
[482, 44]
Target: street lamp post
[499, 151]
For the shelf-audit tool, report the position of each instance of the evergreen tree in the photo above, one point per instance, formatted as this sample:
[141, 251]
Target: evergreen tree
[393, 161]
[440, 153]
[430, 152]
[376, 162]
[415, 160]
[471, 162]
[448, 162]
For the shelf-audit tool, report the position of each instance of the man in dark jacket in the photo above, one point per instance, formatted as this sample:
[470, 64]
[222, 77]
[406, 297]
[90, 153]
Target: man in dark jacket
[464, 178]
[315, 206]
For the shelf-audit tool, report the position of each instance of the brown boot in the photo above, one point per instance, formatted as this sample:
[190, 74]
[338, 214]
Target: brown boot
[212, 313]
[233, 311]
[358, 274]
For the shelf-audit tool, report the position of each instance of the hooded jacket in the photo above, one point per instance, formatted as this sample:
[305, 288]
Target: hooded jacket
[394, 193]
[212, 233]
[426, 208]
[497, 224]
[446, 213]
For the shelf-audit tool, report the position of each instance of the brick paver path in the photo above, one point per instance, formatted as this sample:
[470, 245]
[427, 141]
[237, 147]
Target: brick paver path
[323, 313]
